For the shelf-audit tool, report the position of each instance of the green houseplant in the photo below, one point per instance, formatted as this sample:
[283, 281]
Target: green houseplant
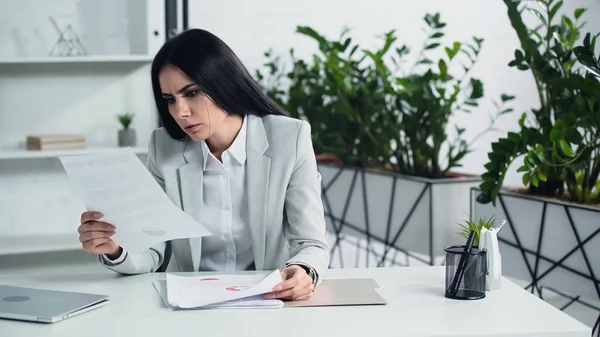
[558, 140]
[558, 144]
[336, 93]
[127, 135]
[391, 125]
[366, 111]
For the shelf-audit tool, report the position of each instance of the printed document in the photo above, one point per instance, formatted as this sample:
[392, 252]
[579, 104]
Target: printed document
[221, 290]
[118, 184]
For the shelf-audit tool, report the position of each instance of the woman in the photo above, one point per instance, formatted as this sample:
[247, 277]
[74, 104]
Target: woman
[228, 156]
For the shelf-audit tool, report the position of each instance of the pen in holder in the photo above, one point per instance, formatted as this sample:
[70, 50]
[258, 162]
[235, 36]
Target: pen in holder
[466, 271]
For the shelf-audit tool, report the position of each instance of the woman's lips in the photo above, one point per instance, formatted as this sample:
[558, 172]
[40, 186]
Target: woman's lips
[192, 128]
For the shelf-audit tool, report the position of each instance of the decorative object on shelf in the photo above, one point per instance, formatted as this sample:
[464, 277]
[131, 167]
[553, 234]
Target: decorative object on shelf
[68, 43]
[55, 142]
[127, 135]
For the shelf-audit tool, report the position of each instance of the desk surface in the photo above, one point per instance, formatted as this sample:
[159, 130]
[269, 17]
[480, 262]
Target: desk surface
[416, 307]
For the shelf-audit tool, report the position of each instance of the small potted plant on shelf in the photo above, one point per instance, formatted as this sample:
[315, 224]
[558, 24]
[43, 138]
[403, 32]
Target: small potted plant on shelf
[384, 136]
[127, 137]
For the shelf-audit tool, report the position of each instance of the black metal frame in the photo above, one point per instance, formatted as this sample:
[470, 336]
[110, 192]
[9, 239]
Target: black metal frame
[170, 31]
[389, 243]
[533, 271]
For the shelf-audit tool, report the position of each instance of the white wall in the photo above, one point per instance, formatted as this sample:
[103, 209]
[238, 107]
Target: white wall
[252, 27]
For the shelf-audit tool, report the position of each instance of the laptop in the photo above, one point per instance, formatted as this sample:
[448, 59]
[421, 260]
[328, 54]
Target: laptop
[45, 306]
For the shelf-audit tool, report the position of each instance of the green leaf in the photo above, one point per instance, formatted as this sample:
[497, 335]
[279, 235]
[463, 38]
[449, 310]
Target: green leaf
[523, 169]
[477, 89]
[578, 12]
[539, 151]
[532, 160]
[519, 55]
[539, 15]
[565, 148]
[568, 22]
[505, 97]
[437, 35]
[542, 175]
[558, 130]
[443, 67]
[526, 179]
[522, 119]
[534, 179]
[555, 9]
[514, 137]
[432, 46]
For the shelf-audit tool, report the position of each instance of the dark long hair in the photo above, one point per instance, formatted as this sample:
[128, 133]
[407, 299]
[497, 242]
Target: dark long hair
[218, 73]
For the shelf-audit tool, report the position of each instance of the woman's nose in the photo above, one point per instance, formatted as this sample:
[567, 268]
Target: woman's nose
[183, 110]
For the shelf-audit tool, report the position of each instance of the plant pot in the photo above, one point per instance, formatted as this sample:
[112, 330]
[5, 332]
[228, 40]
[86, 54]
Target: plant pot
[127, 138]
[546, 242]
[394, 213]
[327, 158]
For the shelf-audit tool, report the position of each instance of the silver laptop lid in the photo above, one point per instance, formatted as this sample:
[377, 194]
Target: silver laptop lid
[44, 305]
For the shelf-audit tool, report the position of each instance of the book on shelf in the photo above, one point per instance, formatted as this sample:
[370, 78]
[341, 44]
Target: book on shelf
[55, 142]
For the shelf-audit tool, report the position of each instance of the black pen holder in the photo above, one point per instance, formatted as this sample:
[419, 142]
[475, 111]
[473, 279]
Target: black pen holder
[468, 282]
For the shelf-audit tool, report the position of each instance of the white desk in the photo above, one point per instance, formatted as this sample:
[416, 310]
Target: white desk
[416, 307]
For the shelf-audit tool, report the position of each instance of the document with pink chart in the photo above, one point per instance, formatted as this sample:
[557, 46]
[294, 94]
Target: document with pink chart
[199, 291]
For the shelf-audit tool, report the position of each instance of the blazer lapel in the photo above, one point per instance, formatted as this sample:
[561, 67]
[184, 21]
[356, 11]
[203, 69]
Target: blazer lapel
[258, 170]
[190, 183]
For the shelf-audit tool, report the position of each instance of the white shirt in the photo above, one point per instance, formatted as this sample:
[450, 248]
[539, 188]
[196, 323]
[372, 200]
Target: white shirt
[225, 209]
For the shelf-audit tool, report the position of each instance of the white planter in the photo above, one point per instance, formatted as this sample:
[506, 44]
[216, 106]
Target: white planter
[391, 212]
[547, 243]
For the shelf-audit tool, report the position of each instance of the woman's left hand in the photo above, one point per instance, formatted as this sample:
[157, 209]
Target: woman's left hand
[296, 285]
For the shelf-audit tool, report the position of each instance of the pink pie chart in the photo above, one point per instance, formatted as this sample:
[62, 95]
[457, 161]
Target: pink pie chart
[237, 288]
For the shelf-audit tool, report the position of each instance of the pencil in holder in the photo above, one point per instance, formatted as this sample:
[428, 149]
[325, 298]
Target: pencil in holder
[465, 273]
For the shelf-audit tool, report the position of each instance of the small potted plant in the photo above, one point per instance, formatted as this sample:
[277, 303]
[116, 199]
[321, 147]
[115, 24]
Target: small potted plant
[477, 226]
[126, 134]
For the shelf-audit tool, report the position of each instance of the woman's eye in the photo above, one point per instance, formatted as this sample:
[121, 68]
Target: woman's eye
[191, 93]
[170, 100]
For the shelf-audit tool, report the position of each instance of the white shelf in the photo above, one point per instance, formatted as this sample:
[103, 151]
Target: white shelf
[27, 154]
[78, 59]
[10, 245]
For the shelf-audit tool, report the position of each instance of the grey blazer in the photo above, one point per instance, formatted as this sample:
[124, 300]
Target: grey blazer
[286, 217]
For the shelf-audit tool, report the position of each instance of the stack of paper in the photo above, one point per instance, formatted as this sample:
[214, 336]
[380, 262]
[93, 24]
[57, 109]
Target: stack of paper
[219, 291]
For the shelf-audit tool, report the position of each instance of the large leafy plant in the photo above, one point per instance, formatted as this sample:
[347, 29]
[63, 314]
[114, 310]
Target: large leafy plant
[582, 168]
[550, 139]
[365, 110]
[428, 97]
[338, 93]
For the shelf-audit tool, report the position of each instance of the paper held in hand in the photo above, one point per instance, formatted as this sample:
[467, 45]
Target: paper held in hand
[117, 184]
[188, 292]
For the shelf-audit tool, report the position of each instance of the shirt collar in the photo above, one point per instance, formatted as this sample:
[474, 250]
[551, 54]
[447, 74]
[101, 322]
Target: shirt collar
[237, 150]
[238, 147]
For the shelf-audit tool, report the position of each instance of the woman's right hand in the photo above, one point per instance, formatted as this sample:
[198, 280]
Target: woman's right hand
[94, 235]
